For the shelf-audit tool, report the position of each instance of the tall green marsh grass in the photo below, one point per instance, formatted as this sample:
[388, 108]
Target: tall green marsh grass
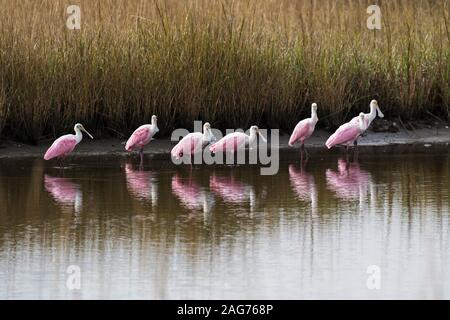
[233, 63]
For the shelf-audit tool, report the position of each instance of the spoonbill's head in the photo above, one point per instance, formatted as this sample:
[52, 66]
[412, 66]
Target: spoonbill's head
[207, 131]
[374, 105]
[154, 119]
[255, 130]
[314, 112]
[362, 121]
[79, 127]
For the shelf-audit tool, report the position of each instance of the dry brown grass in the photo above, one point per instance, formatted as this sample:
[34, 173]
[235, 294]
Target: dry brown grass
[233, 63]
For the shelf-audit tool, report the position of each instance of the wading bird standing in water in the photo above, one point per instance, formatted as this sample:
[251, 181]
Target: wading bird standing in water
[193, 142]
[369, 117]
[65, 144]
[141, 136]
[347, 133]
[304, 129]
[236, 140]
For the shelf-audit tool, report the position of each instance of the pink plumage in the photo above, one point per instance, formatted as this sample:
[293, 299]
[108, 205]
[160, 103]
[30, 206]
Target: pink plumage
[355, 120]
[65, 144]
[190, 144]
[303, 130]
[140, 137]
[61, 147]
[347, 133]
[230, 143]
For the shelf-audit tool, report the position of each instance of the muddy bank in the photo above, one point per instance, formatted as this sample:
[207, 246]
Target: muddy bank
[421, 138]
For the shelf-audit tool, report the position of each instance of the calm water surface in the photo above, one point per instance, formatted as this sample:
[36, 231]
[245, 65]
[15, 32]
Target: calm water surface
[168, 232]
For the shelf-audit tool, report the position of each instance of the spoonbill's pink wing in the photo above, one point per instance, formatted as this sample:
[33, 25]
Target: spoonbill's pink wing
[140, 137]
[61, 147]
[230, 143]
[301, 131]
[190, 144]
[344, 134]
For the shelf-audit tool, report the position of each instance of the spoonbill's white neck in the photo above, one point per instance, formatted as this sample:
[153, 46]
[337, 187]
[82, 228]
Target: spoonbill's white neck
[253, 135]
[78, 134]
[362, 122]
[314, 114]
[207, 134]
[373, 112]
[154, 121]
[154, 125]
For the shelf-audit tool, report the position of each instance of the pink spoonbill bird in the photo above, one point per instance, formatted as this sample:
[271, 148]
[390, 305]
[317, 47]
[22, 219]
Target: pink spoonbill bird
[193, 142]
[65, 144]
[369, 117]
[347, 133]
[304, 129]
[142, 136]
[236, 140]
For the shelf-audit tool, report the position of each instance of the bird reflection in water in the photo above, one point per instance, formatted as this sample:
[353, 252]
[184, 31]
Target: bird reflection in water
[65, 192]
[350, 182]
[233, 191]
[142, 184]
[303, 185]
[191, 195]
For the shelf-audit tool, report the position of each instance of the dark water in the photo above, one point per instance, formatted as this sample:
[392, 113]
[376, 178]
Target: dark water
[310, 231]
